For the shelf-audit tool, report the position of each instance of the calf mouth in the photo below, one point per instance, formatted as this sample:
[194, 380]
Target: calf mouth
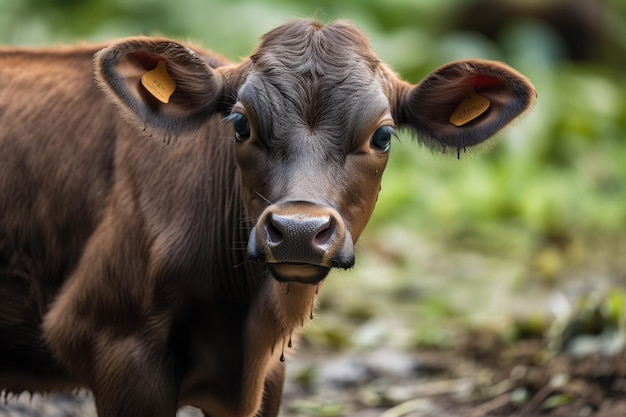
[298, 272]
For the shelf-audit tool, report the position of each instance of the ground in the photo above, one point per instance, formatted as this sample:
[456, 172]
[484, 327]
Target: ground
[482, 377]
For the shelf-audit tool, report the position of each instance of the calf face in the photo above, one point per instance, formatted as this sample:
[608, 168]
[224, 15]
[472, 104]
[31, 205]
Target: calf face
[313, 113]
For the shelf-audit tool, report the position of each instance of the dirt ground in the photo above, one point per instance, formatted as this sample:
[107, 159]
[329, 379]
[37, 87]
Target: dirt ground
[528, 380]
[483, 377]
[480, 377]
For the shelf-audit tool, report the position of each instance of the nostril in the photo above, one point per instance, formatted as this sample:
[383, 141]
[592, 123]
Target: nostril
[274, 235]
[325, 233]
[302, 233]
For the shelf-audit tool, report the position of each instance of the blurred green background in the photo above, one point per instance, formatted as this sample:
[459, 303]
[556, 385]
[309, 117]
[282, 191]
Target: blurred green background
[529, 233]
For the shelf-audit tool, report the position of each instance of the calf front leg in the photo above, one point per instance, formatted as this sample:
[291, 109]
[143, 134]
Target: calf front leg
[132, 380]
[120, 355]
[273, 391]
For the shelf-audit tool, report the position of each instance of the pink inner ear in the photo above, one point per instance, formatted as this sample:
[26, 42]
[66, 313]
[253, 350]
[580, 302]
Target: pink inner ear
[482, 83]
[147, 61]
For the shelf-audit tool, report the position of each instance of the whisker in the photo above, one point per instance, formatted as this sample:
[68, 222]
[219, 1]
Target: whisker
[248, 220]
[265, 199]
[239, 265]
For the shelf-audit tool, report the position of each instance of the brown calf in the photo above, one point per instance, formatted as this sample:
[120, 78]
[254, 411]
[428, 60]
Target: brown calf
[160, 276]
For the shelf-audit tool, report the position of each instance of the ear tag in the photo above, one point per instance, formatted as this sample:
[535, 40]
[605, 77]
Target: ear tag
[469, 109]
[159, 83]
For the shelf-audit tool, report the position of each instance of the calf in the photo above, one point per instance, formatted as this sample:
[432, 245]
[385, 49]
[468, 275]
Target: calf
[159, 276]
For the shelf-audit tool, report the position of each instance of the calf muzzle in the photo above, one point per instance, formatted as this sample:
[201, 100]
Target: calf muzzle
[301, 241]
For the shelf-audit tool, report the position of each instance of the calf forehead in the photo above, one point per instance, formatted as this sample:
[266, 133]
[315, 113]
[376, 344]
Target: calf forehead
[309, 49]
[324, 79]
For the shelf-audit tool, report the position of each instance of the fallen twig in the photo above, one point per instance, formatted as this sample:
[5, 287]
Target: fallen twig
[536, 400]
[428, 389]
[491, 405]
[417, 404]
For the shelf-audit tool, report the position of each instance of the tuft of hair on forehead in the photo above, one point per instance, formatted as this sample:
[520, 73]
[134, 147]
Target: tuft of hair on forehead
[309, 47]
[318, 74]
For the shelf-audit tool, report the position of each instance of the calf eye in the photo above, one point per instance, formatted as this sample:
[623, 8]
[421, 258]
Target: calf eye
[381, 140]
[241, 126]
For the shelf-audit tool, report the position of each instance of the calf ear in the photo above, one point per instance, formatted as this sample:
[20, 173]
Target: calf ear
[159, 85]
[463, 103]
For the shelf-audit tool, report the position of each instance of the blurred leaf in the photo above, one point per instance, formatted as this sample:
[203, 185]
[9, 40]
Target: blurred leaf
[555, 401]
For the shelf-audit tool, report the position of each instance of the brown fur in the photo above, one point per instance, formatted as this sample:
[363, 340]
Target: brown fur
[123, 261]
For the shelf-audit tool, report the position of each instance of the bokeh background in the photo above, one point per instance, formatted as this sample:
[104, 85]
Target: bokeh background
[527, 239]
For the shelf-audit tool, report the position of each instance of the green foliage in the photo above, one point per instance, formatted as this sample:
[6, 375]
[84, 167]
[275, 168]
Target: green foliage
[596, 323]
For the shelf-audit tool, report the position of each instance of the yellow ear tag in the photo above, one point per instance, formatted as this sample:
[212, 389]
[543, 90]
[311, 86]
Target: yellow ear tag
[469, 109]
[159, 83]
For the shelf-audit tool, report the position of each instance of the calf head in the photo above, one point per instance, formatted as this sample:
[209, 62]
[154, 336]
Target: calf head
[313, 115]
